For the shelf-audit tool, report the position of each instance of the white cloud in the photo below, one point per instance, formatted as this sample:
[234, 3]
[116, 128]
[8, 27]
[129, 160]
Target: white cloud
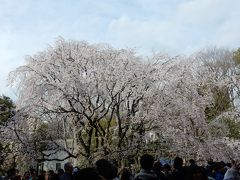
[172, 26]
[194, 24]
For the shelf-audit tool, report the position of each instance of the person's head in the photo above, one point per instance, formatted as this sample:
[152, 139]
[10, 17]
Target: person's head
[76, 170]
[33, 172]
[26, 175]
[157, 166]
[197, 173]
[68, 168]
[210, 162]
[125, 174]
[50, 173]
[219, 167]
[166, 168]
[192, 162]
[17, 171]
[106, 169]
[60, 172]
[146, 162]
[178, 163]
[11, 172]
[88, 174]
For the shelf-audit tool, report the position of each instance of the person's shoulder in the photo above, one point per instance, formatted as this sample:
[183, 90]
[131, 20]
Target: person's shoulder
[66, 177]
[231, 174]
[210, 178]
[142, 175]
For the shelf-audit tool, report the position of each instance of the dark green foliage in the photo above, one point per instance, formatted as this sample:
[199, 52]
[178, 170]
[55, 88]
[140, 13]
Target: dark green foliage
[222, 103]
[6, 113]
[234, 128]
[6, 109]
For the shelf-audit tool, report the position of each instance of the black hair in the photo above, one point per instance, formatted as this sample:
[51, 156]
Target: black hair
[106, 169]
[88, 174]
[178, 163]
[146, 162]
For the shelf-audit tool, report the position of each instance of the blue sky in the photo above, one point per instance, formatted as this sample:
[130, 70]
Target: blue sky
[168, 26]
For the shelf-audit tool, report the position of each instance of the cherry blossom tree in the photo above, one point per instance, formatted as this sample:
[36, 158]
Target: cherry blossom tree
[93, 100]
[93, 92]
[184, 97]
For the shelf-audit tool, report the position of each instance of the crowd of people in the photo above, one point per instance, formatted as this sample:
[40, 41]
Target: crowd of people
[150, 170]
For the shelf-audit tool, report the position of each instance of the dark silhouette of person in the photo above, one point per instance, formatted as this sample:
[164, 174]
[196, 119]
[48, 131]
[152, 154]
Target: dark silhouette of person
[88, 174]
[125, 174]
[106, 169]
[157, 167]
[146, 172]
[52, 175]
[68, 172]
[12, 174]
[60, 172]
[197, 173]
[42, 176]
[166, 170]
[179, 172]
